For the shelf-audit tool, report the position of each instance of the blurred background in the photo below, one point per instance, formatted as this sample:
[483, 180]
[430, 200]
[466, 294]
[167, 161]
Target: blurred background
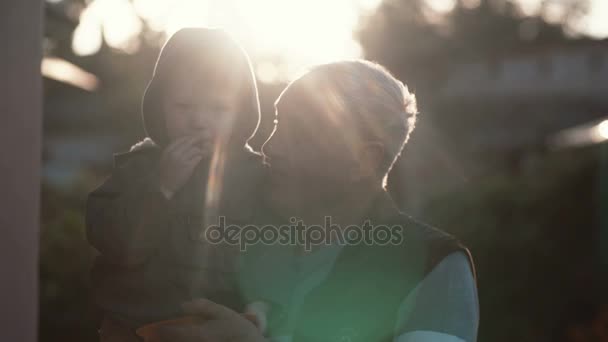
[508, 154]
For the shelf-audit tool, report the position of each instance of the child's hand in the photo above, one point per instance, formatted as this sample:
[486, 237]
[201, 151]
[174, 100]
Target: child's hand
[177, 163]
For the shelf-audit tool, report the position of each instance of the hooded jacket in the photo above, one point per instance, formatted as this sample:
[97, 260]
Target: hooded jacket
[152, 256]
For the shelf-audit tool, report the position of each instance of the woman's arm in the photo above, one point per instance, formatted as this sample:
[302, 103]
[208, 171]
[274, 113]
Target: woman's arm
[443, 307]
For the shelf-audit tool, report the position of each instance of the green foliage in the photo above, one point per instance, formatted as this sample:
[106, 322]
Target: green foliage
[530, 235]
[66, 313]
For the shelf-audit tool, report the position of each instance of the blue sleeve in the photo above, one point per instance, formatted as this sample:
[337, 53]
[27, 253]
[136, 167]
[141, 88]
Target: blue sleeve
[444, 307]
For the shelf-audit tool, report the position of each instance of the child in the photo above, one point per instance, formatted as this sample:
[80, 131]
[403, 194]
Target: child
[147, 219]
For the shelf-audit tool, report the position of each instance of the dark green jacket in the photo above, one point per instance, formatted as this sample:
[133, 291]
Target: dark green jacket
[360, 299]
[152, 257]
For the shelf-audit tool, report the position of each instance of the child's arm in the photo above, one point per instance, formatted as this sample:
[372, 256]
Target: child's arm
[127, 215]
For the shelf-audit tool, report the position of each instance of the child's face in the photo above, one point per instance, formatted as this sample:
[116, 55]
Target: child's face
[194, 106]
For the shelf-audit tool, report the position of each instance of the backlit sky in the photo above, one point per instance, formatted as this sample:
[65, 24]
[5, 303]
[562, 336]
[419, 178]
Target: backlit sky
[297, 32]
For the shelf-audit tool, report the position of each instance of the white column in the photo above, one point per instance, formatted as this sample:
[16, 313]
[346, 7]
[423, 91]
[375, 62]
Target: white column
[20, 152]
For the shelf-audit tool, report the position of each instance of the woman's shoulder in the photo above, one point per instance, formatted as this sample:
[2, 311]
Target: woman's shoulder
[436, 243]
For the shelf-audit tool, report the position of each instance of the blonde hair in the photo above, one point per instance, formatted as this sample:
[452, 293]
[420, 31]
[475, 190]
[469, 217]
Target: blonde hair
[365, 96]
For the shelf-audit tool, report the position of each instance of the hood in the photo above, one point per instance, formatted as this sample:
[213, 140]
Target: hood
[188, 46]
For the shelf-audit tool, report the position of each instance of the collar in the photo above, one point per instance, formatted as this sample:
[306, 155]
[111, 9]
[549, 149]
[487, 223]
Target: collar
[382, 209]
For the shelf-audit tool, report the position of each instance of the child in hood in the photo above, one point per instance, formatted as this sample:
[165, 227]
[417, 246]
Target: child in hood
[147, 220]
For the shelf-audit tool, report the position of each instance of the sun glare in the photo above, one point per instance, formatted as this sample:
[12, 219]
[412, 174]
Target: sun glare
[289, 34]
[602, 129]
[64, 71]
